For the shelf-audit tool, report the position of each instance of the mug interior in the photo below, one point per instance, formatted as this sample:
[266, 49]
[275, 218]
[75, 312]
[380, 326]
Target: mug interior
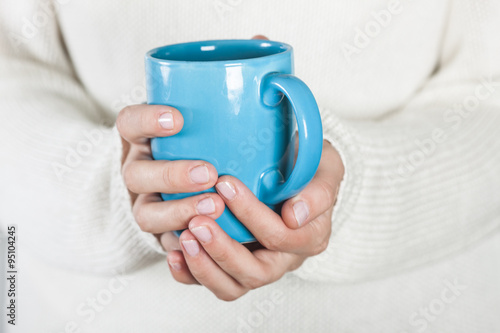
[219, 50]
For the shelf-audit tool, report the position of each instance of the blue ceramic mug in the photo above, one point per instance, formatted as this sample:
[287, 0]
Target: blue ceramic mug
[238, 99]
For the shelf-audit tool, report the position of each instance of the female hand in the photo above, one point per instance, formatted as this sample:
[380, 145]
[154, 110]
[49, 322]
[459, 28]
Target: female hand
[145, 178]
[229, 269]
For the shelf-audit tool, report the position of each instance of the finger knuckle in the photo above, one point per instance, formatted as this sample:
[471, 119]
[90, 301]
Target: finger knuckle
[296, 264]
[128, 176]
[221, 256]
[275, 241]
[328, 192]
[200, 274]
[168, 176]
[183, 212]
[229, 296]
[247, 210]
[144, 121]
[320, 247]
[122, 119]
[178, 211]
[141, 218]
[254, 281]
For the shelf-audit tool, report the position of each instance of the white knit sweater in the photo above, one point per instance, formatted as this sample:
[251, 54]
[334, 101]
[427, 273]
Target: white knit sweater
[410, 97]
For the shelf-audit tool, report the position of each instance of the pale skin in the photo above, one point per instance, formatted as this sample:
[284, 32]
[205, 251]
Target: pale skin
[204, 254]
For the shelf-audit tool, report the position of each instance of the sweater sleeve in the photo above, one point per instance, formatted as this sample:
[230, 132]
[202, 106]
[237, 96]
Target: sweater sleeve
[60, 154]
[423, 181]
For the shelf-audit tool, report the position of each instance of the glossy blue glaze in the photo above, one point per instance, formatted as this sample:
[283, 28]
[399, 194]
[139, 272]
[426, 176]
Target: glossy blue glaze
[238, 99]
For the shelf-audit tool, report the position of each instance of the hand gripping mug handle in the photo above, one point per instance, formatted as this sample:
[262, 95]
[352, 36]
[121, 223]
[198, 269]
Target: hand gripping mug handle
[310, 131]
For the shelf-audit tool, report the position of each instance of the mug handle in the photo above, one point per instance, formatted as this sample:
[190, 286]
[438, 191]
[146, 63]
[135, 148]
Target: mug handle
[310, 131]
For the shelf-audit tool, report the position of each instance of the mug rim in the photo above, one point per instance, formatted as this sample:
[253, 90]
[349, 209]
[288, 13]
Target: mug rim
[285, 49]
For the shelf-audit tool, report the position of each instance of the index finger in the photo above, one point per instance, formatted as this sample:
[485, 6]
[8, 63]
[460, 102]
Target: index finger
[139, 123]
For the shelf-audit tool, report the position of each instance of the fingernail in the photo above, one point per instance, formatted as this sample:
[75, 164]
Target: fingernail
[301, 212]
[202, 233]
[166, 121]
[199, 175]
[205, 206]
[191, 246]
[227, 190]
[174, 265]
